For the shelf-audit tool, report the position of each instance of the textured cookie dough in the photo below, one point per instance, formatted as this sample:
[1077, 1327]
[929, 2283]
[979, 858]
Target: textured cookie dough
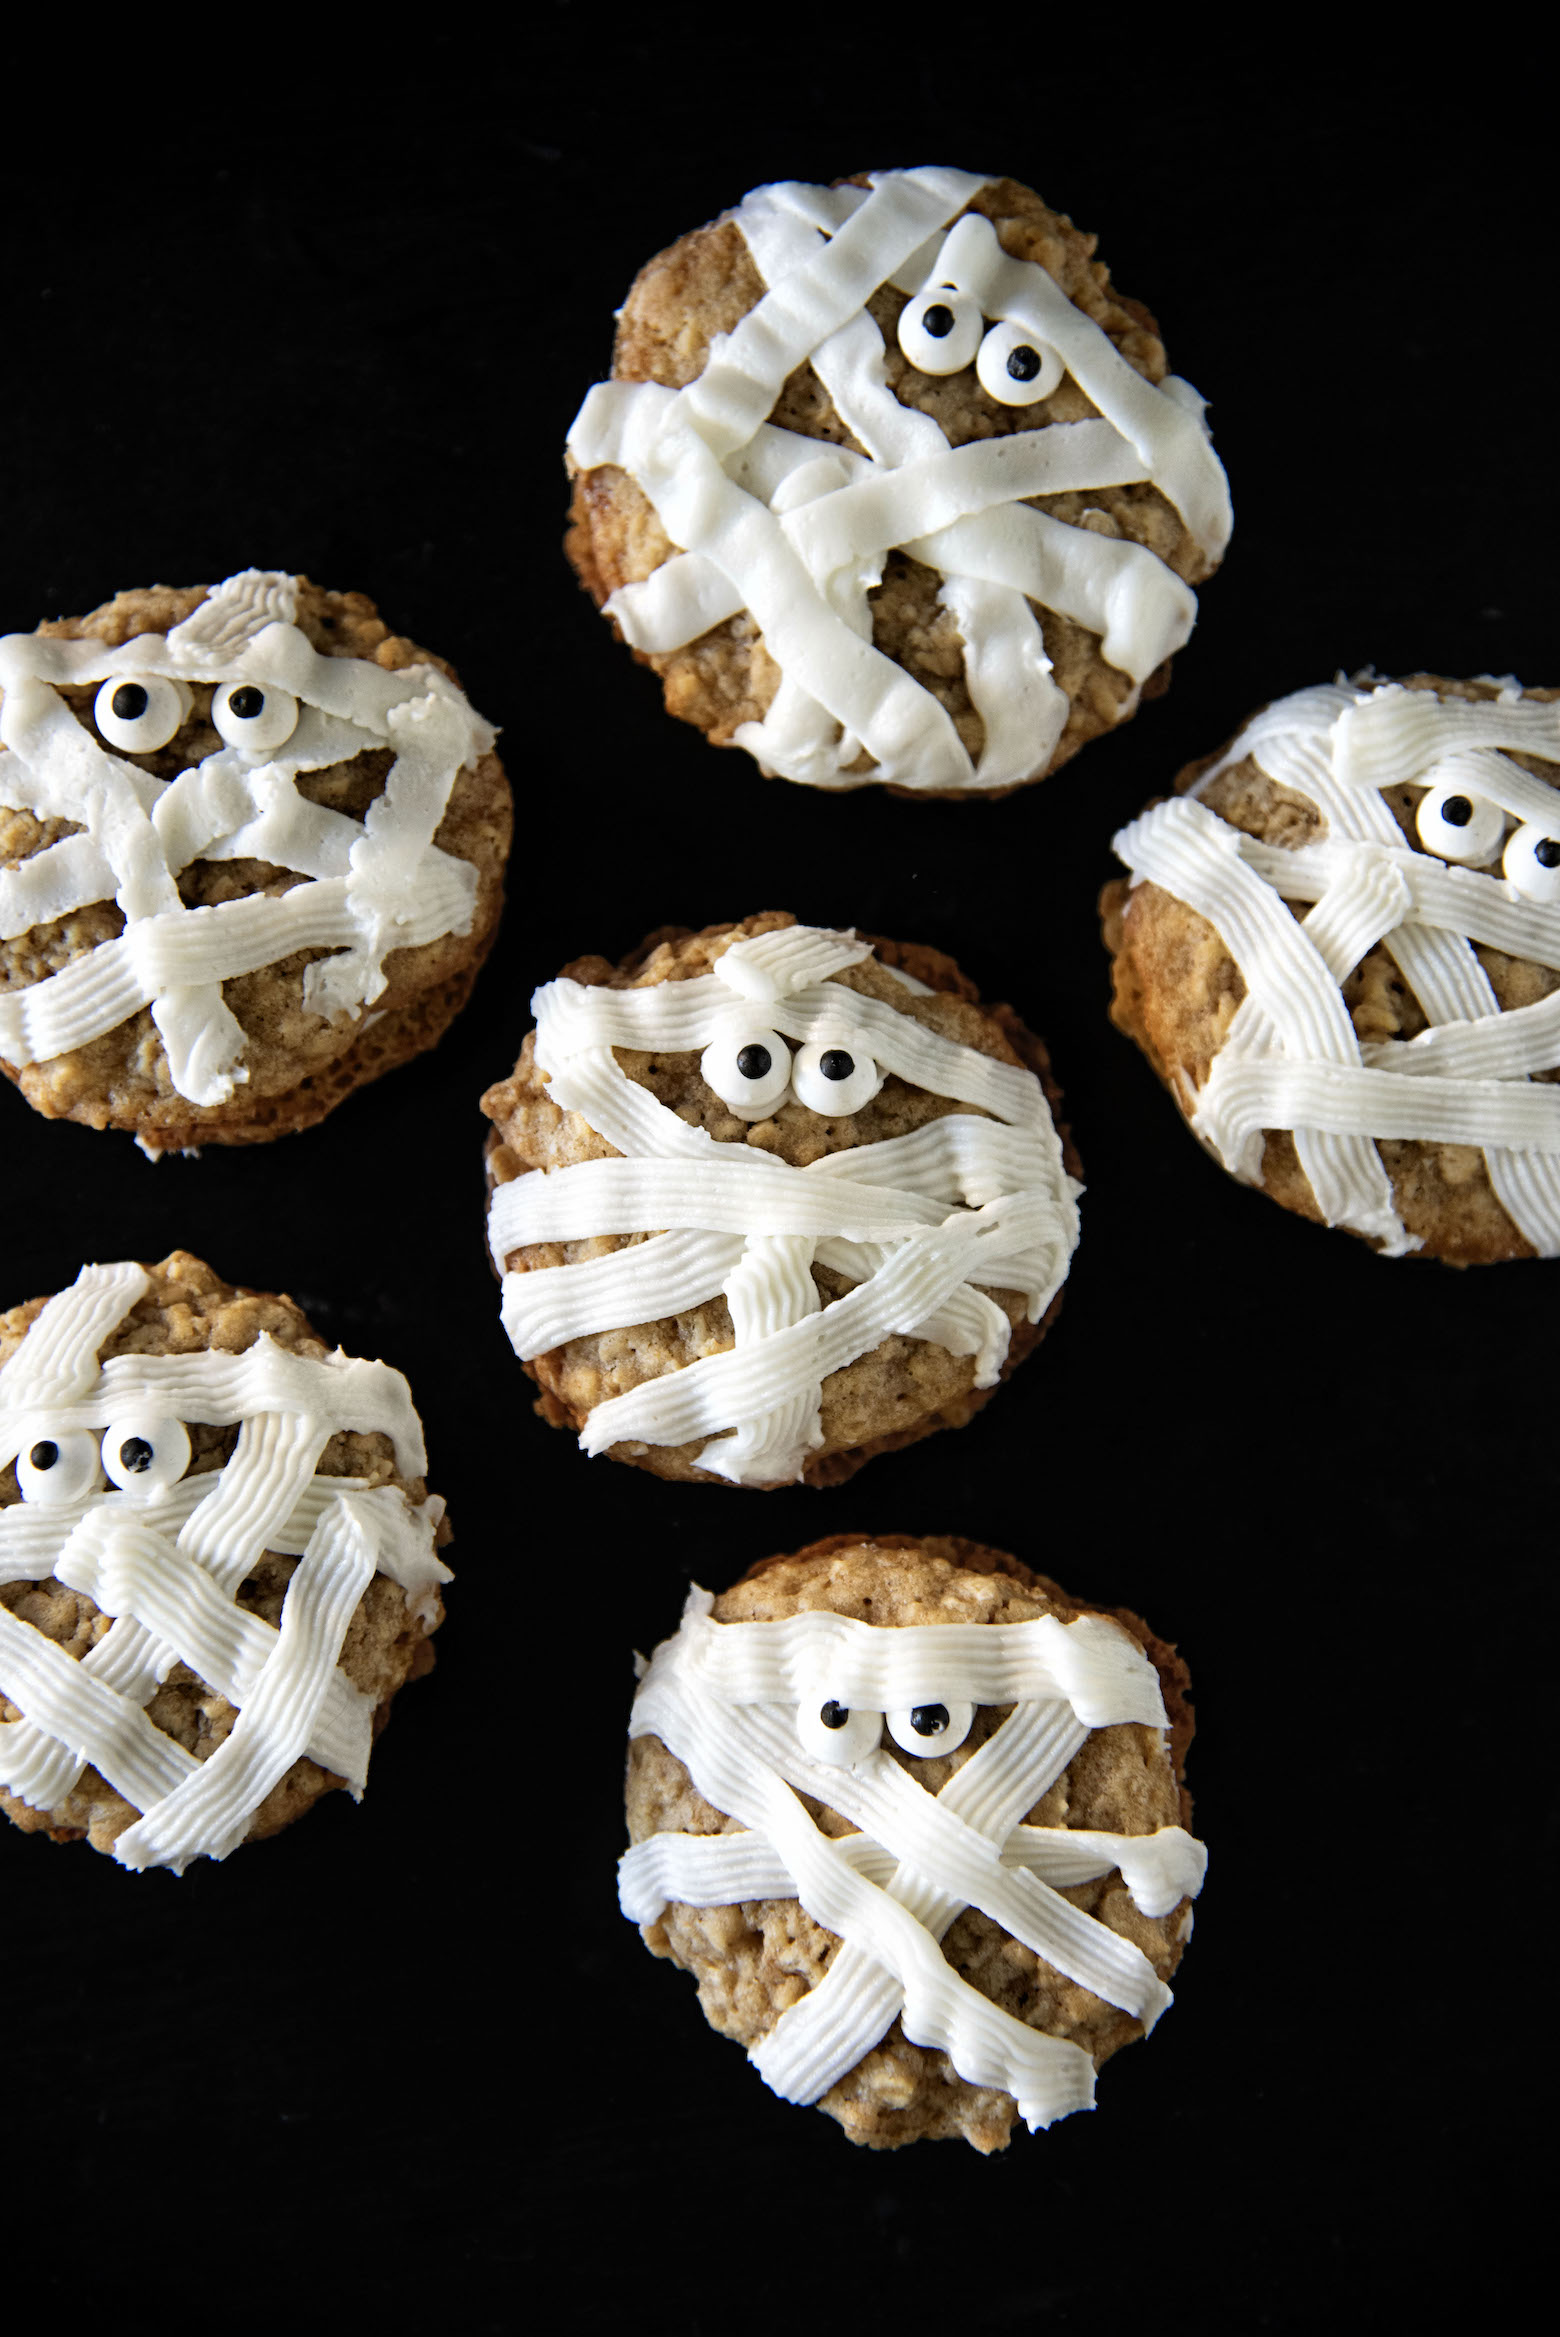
[903, 1389]
[686, 297]
[300, 1063]
[753, 1961]
[1176, 989]
[188, 1310]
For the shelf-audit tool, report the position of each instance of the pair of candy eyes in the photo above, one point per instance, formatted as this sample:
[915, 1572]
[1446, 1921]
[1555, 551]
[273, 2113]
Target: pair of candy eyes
[1458, 825]
[142, 1455]
[841, 1734]
[139, 716]
[753, 1070]
[943, 329]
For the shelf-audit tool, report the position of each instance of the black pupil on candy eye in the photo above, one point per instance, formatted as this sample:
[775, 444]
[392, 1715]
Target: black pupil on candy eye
[135, 1454]
[1457, 811]
[753, 1061]
[836, 1063]
[929, 1720]
[44, 1454]
[938, 321]
[834, 1715]
[1023, 363]
[246, 703]
[1547, 852]
[129, 701]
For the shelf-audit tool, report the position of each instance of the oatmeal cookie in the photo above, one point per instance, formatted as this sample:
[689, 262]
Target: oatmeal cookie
[1009, 1932]
[1341, 950]
[252, 849]
[218, 1562]
[769, 1199]
[890, 485]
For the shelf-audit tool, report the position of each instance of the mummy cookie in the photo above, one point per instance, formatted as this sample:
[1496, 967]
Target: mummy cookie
[889, 485]
[769, 1199]
[914, 1820]
[251, 856]
[1341, 951]
[218, 1562]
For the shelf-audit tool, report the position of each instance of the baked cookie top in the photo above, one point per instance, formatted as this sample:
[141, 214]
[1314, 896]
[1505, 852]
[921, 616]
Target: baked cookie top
[1341, 950]
[218, 1562]
[770, 1198]
[890, 485]
[236, 827]
[914, 1819]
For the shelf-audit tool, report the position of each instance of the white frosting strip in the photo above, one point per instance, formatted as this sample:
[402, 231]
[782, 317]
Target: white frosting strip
[681, 1017]
[346, 1390]
[1241, 1098]
[375, 885]
[543, 1309]
[796, 532]
[818, 2039]
[1090, 1664]
[57, 1360]
[916, 1220]
[747, 1190]
[964, 1847]
[125, 1568]
[209, 1814]
[1459, 901]
[60, 1696]
[1291, 1059]
[167, 1567]
[1112, 586]
[1392, 735]
[723, 1390]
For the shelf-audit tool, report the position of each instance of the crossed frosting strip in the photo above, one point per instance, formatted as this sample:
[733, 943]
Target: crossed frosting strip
[369, 887]
[891, 1891]
[914, 1222]
[796, 532]
[168, 1570]
[1292, 1058]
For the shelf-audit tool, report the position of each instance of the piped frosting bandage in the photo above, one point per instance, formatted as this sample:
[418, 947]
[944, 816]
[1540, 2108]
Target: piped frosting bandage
[796, 531]
[739, 1705]
[1292, 1058]
[165, 1554]
[923, 1225]
[370, 886]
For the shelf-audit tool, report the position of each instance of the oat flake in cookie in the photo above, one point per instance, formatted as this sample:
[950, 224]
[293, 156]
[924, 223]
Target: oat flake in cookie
[915, 1821]
[1341, 951]
[251, 855]
[770, 1199]
[218, 1562]
[890, 485]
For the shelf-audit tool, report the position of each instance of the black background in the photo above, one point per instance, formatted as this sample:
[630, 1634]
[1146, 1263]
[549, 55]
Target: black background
[332, 308]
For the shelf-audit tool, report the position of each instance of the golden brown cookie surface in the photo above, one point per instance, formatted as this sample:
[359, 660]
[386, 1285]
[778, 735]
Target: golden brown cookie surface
[756, 1959]
[1043, 597]
[181, 1430]
[109, 838]
[898, 1387]
[1461, 929]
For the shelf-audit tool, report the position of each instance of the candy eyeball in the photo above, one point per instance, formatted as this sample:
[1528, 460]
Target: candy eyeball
[146, 1454]
[749, 1069]
[927, 1729]
[1532, 861]
[1015, 368]
[139, 715]
[254, 716]
[939, 331]
[835, 1077]
[56, 1465]
[836, 1733]
[1456, 824]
